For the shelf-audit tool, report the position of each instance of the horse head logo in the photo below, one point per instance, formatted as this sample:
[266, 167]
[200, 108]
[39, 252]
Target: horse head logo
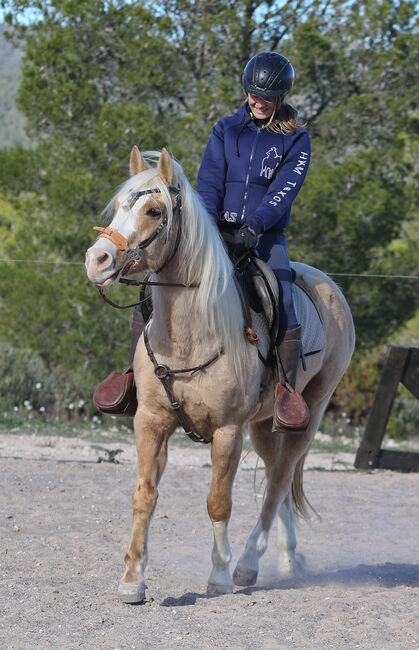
[268, 163]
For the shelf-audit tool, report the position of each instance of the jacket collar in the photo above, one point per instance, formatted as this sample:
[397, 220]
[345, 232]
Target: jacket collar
[247, 118]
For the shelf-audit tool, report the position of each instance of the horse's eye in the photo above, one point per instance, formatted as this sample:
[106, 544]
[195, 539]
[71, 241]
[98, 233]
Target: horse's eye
[155, 213]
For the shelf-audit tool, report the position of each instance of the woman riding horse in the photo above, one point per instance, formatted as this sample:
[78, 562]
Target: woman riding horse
[253, 167]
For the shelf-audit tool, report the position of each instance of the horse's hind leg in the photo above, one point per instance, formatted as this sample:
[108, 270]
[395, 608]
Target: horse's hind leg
[286, 539]
[226, 450]
[152, 434]
[280, 454]
[283, 455]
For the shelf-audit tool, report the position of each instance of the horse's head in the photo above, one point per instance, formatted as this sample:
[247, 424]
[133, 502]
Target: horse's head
[140, 236]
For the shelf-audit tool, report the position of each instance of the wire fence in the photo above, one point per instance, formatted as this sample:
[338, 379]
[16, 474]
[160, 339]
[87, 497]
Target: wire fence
[346, 275]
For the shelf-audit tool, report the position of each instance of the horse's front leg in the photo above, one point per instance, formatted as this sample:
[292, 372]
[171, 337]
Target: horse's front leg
[226, 450]
[152, 434]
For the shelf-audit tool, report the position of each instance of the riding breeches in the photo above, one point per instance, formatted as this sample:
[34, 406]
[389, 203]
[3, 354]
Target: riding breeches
[272, 249]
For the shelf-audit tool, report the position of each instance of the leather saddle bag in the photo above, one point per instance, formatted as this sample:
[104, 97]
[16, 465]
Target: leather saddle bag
[117, 395]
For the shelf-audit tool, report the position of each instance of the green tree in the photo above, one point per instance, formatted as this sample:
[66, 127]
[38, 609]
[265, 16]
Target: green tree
[98, 77]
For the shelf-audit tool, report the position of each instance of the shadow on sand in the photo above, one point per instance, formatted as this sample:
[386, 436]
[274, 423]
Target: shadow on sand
[386, 575]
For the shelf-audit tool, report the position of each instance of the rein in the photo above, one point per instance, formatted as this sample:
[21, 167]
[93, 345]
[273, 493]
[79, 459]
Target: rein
[138, 283]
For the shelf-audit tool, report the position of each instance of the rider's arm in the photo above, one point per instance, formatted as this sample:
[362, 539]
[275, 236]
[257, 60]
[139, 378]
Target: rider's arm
[212, 173]
[274, 209]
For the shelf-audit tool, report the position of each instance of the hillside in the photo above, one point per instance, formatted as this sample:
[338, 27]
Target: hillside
[12, 122]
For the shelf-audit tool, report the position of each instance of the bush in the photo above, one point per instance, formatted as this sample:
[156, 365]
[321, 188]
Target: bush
[355, 394]
[28, 385]
[404, 420]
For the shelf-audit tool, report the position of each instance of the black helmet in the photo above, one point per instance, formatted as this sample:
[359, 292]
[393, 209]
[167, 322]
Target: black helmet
[268, 74]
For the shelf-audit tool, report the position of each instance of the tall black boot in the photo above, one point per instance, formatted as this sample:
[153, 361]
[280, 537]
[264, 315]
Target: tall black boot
[116, 395]
[291, 413]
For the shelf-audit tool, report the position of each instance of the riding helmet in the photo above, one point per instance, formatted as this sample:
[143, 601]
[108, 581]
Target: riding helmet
[268, 74]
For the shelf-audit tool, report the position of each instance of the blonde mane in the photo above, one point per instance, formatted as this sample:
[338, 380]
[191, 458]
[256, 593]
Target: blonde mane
[205, 261]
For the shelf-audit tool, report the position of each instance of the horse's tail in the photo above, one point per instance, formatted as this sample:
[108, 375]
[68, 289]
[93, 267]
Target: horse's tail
[301, 504]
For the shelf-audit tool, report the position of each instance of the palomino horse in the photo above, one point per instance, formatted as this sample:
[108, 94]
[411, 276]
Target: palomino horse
[160, 225]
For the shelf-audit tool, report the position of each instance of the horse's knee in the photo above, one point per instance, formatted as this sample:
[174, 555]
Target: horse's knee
[145, 496]
[219, 507]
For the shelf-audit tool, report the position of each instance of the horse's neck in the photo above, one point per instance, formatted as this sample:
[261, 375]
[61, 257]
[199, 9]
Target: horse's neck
[176, 324]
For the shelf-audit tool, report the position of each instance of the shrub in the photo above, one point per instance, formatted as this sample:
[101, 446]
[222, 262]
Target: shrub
[28, 385]
[404, 420]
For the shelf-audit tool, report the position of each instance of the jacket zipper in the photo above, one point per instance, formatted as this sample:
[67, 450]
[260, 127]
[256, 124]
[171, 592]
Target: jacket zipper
[246, 186]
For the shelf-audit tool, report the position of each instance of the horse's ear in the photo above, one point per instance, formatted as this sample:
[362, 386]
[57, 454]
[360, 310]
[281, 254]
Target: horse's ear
[165, 168]
[137, 164]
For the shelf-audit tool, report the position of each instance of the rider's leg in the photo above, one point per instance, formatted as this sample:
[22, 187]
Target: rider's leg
[290, 409]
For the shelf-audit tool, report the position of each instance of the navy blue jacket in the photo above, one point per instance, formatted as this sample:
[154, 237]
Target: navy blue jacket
[249, 175]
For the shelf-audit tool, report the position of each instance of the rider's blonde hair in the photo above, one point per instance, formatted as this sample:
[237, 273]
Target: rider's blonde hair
[284, 118]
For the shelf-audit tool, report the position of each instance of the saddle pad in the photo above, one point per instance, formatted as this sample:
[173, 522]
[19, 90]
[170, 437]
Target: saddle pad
[312, 334]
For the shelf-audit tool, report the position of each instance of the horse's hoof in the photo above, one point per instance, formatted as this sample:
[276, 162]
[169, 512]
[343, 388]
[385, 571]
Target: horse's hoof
[244, 577]
[219, 590]
[131, 592]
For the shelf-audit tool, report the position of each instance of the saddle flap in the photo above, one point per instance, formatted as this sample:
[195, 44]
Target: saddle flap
[263, 294]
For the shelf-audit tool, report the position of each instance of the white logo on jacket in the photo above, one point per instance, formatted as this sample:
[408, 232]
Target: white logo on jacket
[267, 170]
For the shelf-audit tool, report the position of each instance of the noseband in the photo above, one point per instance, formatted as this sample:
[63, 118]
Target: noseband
[134, 254]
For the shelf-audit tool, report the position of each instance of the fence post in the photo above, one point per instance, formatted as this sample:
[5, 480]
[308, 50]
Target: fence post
[401, 365]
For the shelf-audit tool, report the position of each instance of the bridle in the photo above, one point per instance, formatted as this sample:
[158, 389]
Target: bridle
[134, 254]
[162, 372]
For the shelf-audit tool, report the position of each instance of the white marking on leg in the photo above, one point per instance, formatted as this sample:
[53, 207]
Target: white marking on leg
[286, 539]
[220, 581]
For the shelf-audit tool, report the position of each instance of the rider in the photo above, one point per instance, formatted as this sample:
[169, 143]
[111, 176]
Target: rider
[253, 167]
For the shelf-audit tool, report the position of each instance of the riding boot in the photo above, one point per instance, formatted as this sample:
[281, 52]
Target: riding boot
[117, 395]
[291, 413]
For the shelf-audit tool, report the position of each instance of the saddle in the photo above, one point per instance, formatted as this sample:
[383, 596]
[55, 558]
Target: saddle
[260, 294]
[260, 291]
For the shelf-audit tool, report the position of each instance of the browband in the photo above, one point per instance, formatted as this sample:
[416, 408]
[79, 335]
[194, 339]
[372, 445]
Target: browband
[119, 240]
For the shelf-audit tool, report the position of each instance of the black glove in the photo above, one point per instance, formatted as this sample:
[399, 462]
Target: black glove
[244, 240]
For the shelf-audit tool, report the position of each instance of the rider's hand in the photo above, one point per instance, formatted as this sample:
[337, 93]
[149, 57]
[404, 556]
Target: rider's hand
[245, 239]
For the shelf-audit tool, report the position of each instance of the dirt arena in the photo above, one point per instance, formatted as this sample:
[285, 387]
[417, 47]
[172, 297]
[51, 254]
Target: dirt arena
[65, 524]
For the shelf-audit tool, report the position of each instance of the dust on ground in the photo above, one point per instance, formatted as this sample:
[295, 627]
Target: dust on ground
[65, 525]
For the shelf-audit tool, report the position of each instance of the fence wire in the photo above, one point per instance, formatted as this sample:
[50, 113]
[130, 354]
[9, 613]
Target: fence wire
[346, 275]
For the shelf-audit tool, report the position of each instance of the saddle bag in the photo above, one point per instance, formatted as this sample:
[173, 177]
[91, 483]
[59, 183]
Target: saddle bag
[117, 395]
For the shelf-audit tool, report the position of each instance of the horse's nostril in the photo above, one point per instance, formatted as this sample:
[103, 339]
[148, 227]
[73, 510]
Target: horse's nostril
[102, 258]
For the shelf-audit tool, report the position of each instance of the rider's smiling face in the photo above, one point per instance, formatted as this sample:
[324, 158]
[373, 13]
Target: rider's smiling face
[261, 107]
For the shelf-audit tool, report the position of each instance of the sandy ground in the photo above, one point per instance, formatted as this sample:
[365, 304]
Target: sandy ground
[65, 525]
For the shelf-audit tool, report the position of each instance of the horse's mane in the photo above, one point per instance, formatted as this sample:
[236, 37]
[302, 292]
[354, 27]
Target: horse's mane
[205, 261]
